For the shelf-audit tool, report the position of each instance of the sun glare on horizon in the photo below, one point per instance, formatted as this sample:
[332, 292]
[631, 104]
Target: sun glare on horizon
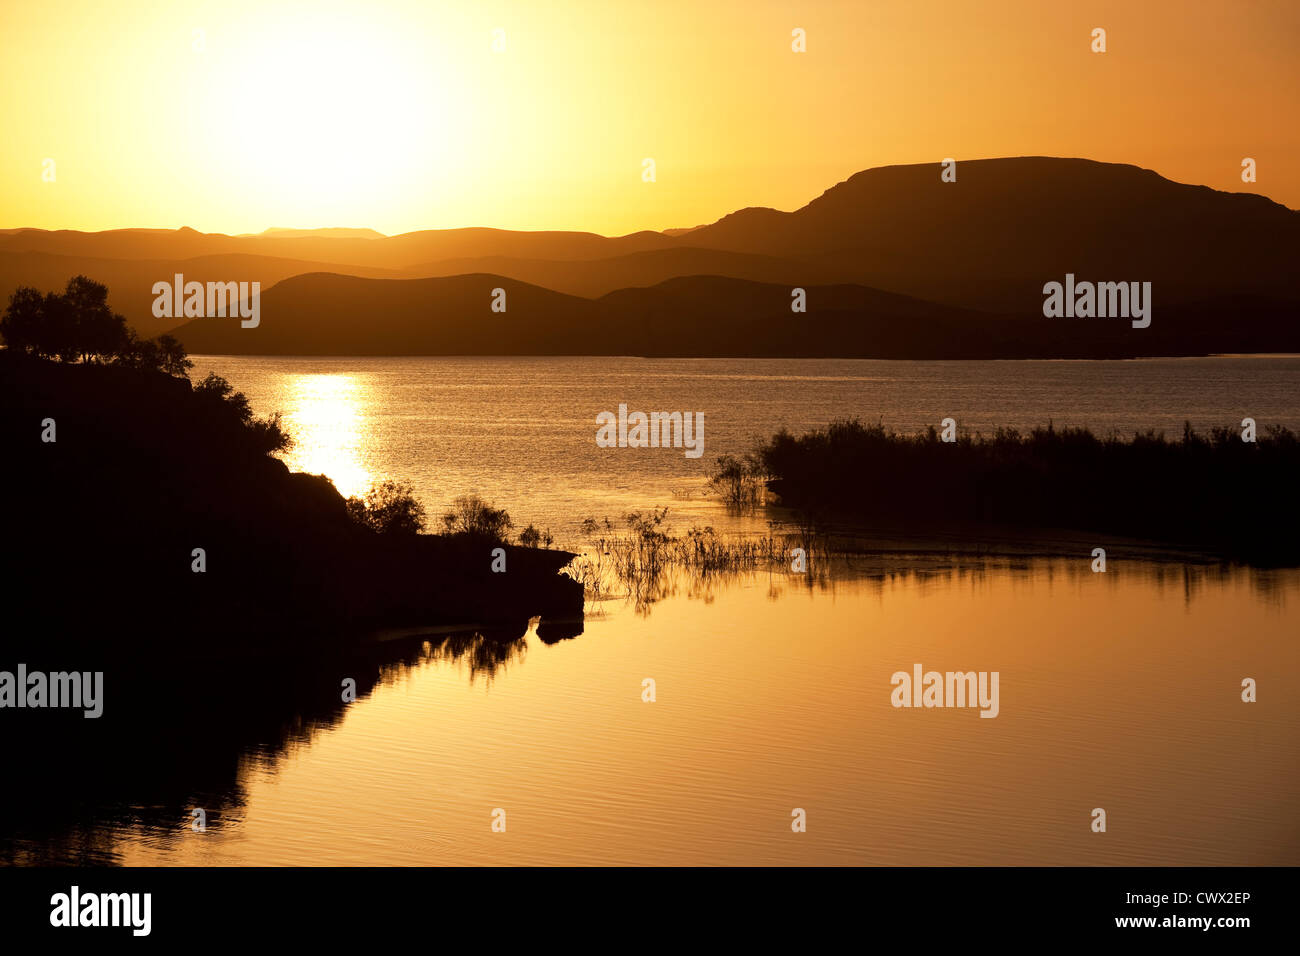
[400, 115]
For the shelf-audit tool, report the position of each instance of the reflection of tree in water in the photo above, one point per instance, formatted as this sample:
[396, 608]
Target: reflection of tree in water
[485, 654]
[181, 733]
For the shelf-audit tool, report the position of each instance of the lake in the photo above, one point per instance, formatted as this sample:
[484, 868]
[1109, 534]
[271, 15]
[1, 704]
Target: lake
[773, 691]
[522, 431]
[1118, 691]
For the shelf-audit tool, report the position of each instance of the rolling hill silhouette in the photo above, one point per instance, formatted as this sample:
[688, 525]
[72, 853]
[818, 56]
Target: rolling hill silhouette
[596, 277]
[130, 281]
[345, 233]
[130, 261]
[693, 316]
[389, 252]
[327, 314]
[897, 263]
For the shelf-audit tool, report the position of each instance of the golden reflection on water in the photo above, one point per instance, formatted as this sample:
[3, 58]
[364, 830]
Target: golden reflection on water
[324, 417]
[1119, 690]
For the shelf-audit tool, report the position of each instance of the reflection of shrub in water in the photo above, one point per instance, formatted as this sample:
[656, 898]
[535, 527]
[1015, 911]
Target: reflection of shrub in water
[170, 740]
[647, 560]
[484, 652]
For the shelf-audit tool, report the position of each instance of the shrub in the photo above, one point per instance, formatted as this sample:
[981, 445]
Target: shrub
[229, 407]
[530, 537]
[738, 481]
[470, 514]
[388, 508]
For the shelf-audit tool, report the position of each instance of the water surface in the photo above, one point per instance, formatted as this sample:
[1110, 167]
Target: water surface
[521, 431]
[1119, 690]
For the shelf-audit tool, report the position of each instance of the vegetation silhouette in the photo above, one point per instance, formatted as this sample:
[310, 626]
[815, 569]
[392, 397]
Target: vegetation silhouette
[533, 537]
[473, 517]
[78, 325]
[151, 535]
[1212, 491]
[144, 480]
[648, 561]
[388, 508]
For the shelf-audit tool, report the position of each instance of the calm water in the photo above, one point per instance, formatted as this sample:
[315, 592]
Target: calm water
[521, 432]
[1120, 691]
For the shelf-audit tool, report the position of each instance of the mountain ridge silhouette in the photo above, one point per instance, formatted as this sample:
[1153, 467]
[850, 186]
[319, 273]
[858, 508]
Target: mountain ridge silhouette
[976, 251]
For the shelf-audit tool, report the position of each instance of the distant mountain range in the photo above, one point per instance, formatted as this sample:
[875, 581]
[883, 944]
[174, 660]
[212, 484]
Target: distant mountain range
[894, 263]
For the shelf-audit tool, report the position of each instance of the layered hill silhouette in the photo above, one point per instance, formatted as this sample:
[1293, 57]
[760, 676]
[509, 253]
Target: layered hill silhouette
[895, 263]
[388, 252]
[596, 277]
[131, 280]
[694, 316]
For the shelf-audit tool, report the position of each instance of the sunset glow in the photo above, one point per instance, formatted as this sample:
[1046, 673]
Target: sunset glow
[401, 116]
[649, 433]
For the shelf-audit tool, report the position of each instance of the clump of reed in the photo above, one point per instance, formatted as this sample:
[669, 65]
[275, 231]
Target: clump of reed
[1214, 490]
[644, 559]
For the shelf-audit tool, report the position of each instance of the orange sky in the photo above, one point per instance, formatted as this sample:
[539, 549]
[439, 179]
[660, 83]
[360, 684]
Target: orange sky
[400, 115]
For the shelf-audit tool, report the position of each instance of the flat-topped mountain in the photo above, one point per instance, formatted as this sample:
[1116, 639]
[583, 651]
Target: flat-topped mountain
[992, 238]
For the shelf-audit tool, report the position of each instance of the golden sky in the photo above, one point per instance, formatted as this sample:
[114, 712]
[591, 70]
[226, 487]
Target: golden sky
[399, 114]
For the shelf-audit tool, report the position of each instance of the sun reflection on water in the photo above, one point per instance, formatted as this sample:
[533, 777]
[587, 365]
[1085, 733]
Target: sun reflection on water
[325, 421]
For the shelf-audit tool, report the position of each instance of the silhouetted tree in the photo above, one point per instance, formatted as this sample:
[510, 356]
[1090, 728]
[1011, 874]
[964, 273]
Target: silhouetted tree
[225, 405]
[388, 508]
[218, 390]
[95, 330]
[21, 324]
[78, 324]
[55, 337]
[470, 514]
[172, 358]
[138, 353]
